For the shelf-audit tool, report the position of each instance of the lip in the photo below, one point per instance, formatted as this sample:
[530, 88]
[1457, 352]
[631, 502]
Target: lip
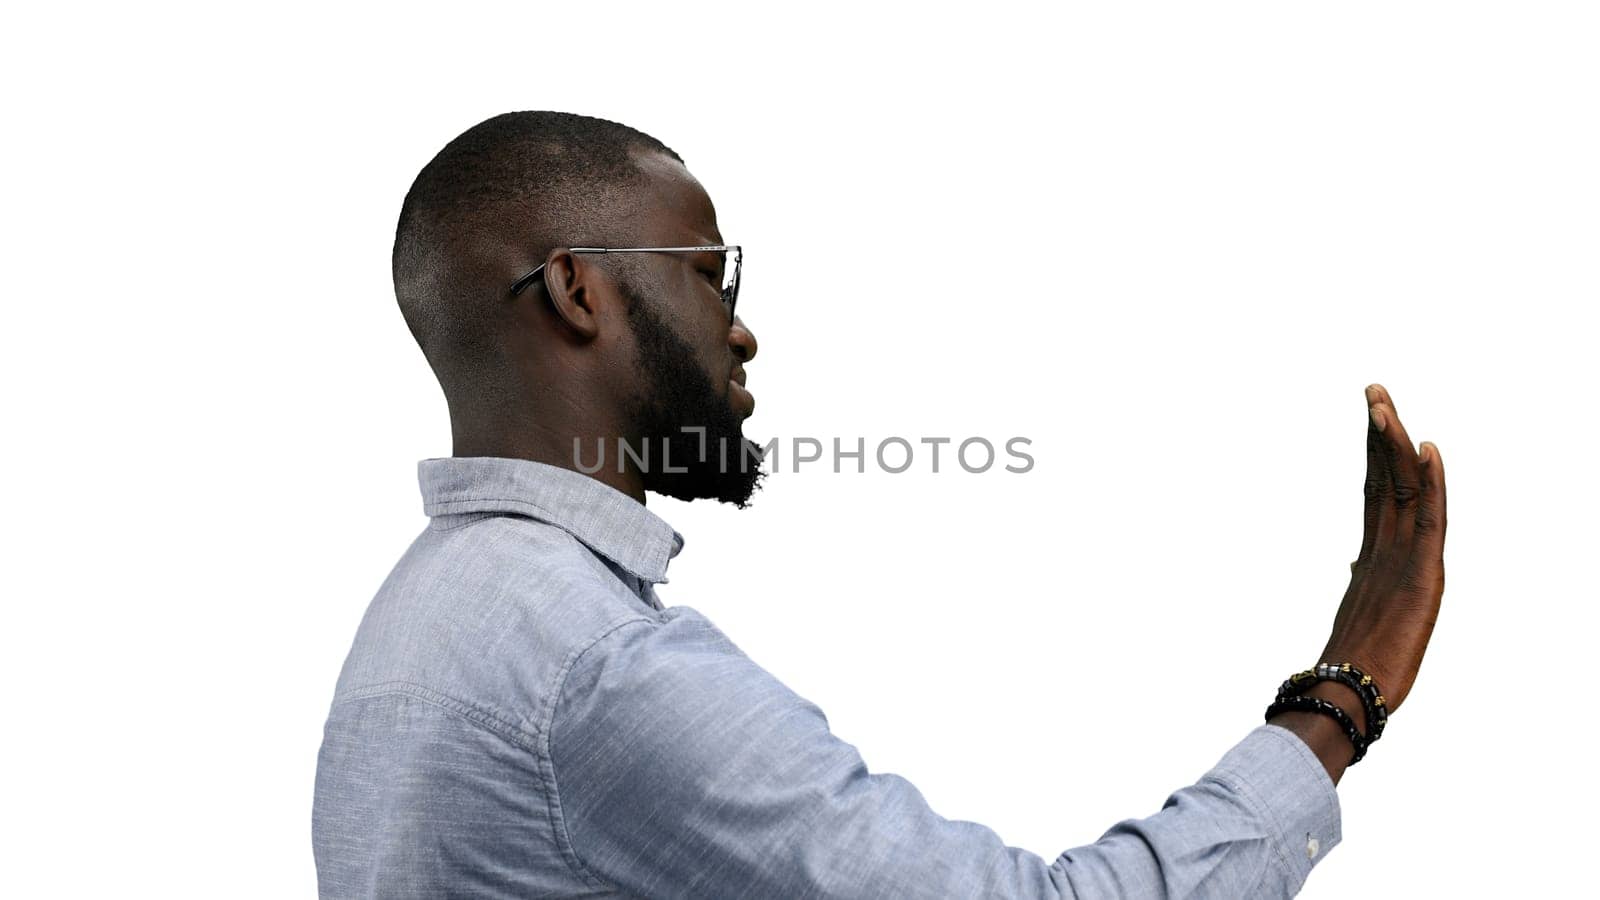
[742, 400]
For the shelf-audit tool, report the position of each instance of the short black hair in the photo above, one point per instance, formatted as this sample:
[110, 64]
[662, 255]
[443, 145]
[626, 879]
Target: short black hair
[550, 178]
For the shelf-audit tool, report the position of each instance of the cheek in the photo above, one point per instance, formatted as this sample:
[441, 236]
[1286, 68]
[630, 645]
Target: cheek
[702, 322]
[712, 346]
[714, 364]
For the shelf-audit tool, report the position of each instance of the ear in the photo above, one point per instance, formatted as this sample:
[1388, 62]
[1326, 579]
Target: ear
[574, 288]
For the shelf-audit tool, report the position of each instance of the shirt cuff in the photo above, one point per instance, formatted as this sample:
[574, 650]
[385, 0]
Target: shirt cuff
[1277, 773]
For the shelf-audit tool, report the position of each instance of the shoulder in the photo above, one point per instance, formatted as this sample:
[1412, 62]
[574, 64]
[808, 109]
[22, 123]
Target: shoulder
[487, 613]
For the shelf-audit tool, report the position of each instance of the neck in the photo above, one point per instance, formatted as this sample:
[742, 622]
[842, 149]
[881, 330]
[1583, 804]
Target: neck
[555, 446]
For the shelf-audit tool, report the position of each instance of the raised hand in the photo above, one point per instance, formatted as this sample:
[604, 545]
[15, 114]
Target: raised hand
[1387, 616]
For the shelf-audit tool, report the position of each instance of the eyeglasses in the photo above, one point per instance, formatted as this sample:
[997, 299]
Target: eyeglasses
[730, 282]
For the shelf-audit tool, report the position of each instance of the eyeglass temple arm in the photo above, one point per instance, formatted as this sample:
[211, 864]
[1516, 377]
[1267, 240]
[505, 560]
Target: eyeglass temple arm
[524, 281]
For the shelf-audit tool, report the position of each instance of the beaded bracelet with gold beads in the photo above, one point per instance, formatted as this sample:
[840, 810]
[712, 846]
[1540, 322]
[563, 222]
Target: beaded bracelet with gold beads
[1348, 674]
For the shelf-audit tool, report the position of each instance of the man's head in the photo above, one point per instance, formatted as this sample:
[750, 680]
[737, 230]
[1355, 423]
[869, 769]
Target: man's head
[598, 348]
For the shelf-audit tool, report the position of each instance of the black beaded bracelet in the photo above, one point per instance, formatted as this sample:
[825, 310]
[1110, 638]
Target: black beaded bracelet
[1372, 701]
[1317, 704]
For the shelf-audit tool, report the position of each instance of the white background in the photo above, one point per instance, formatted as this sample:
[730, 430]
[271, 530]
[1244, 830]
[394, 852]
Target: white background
[1168, 243]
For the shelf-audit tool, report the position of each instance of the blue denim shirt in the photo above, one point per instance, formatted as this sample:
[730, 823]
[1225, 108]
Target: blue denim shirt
[520, 717]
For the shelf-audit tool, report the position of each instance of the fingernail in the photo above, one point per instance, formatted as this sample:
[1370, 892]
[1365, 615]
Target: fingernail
[1377, 419]
[1426, 456]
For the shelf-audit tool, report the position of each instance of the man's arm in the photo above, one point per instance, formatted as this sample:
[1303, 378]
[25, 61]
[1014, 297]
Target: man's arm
[683, 769]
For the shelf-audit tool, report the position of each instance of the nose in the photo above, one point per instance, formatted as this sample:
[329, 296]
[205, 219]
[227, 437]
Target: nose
[741, 341]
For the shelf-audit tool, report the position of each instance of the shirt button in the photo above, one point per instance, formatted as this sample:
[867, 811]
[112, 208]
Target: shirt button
[1311, 847]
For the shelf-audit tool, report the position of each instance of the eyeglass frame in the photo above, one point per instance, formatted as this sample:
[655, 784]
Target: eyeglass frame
[521, 284]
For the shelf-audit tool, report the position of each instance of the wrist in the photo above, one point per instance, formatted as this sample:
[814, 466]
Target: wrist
[1321, 733]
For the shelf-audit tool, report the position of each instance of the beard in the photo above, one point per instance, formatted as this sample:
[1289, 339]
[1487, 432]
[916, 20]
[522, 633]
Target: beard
[694, 443]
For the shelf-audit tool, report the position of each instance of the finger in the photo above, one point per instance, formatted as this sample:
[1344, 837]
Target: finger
[1431, 520]
[1378, 512]
[1403, 469]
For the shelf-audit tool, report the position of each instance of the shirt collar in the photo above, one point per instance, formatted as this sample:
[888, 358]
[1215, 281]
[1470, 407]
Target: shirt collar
[606, 520]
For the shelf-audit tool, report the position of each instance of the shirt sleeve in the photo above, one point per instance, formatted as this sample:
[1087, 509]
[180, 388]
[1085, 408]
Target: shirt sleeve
[683, 769]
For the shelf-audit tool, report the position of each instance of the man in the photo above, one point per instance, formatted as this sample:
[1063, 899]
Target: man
[520, 716]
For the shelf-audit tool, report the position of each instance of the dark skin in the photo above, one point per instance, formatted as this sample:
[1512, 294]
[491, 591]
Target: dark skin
[1396, 584]
[576, 363]
[575, 374]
